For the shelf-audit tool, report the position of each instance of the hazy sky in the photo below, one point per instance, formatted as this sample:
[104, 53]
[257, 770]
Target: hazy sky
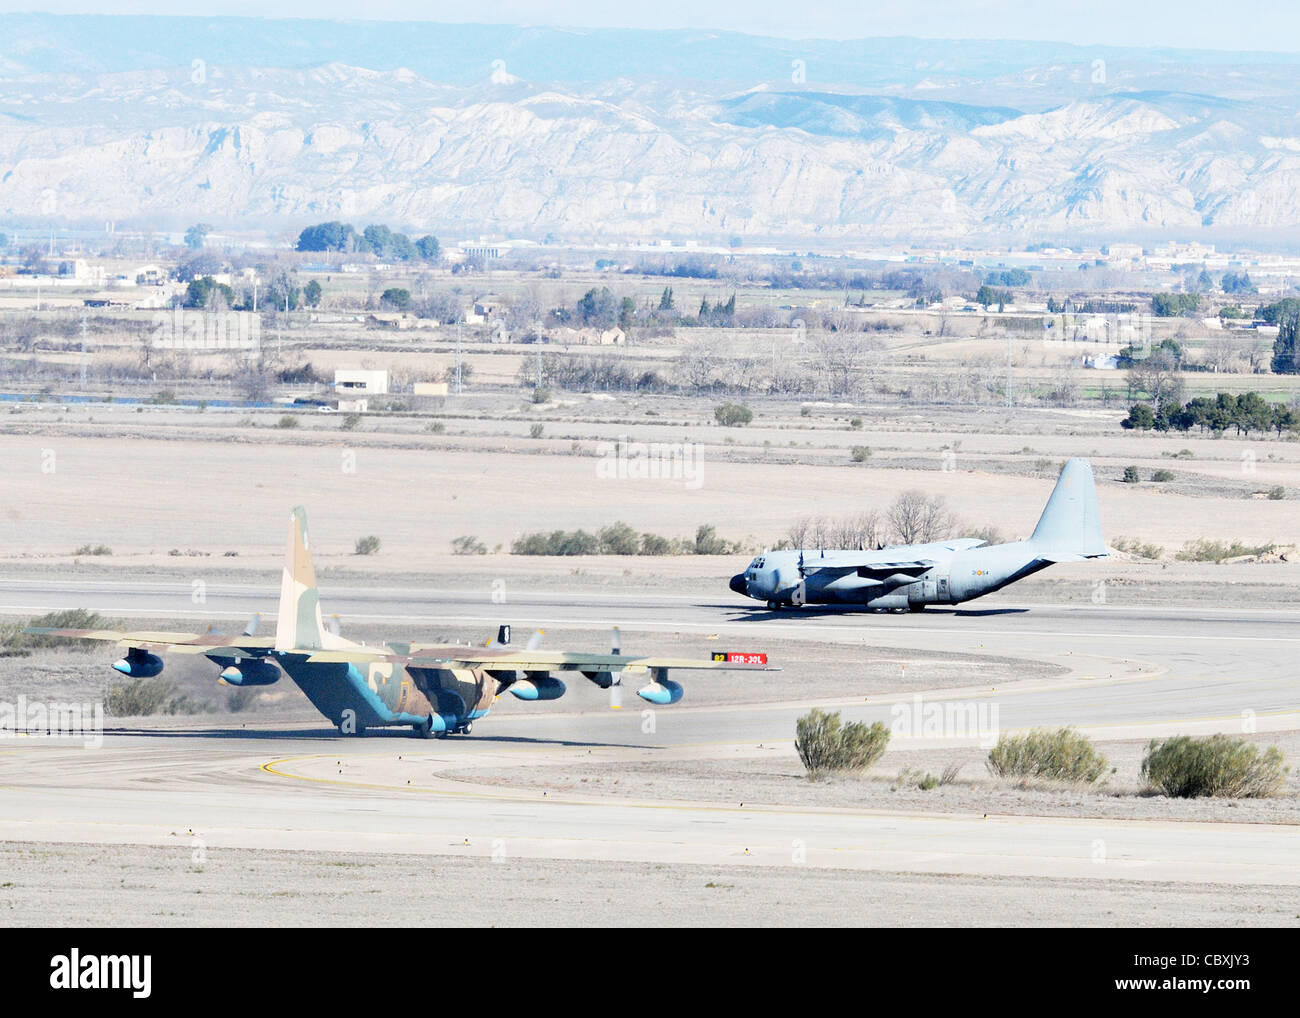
[1195, 24]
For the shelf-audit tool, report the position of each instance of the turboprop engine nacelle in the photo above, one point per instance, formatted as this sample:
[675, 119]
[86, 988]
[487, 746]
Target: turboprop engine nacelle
[537, 687]
[661, 692]
[139, 664]
[250, 672]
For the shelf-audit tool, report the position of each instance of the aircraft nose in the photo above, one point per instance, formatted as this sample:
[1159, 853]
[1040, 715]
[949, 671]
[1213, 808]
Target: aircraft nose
[738, 584]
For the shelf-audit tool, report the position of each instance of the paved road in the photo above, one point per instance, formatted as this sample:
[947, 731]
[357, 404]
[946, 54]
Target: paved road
[1149, 670]
[226, 799]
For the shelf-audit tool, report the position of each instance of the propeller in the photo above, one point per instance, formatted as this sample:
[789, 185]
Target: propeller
[253, 623]
[802, 575]
[535, 640]
[334, 624]
[616, 684]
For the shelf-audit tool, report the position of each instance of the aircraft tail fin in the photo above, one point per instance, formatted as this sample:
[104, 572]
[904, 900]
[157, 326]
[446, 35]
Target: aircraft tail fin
[299, 626]
[1070, 527]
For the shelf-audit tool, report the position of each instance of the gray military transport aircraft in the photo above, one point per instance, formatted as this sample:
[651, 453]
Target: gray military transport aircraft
[911, 576]
[435, 689]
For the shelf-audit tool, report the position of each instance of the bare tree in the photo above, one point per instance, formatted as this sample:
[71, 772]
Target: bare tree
[1157, 376]
[697, 362]
[1065, 386]
[917, 518]
[1221, 353]
[840, 358]
[861, 530]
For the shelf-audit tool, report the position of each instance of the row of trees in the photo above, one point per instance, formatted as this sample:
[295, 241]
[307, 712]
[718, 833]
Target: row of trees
[912, 518]
[1174, 305]
[375, 239]
[601, 308]
[1246, 412]
[281, 292]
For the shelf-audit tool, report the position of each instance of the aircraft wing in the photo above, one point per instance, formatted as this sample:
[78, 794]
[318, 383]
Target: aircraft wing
[874, 570]
[460, 656]
[180, 643]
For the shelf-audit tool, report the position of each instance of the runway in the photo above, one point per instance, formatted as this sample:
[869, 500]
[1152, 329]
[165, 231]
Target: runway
[1134, 672]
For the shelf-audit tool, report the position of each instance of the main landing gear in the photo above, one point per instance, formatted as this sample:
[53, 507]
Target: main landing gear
[426, 731]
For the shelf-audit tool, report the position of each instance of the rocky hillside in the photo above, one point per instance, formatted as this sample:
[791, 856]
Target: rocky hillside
[641, 155]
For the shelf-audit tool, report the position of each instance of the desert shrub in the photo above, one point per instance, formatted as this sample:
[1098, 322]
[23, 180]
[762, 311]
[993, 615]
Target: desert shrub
[1187, 767]
[707, 542]
[618, 539]
[1061, 755]
[287, 421]
[1217, 551]
[855, 423]
[535, 431]
[468, 545]
[924, 780]
[556, 542]
[1277, 494]
[435, 427]
[15, 643]
[94, 549]
[825, 745]
[541, 395]
[1161, 476]
[1132, 546]
[139, 697]
[655, 544]
[240, 699]
[367, 545]
[860, 453]
[733, 415]
[1131, 475]
[350, 422]
[987, 533]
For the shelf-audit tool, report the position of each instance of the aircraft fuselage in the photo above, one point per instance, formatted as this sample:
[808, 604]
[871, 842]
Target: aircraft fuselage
[958, 571]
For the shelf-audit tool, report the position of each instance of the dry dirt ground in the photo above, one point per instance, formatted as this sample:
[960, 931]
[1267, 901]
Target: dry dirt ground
[93, 885]
[145, 485]
[778, 778]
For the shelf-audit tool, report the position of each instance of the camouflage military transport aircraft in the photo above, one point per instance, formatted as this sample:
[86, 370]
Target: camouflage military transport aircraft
[436, 689]
[908, 577]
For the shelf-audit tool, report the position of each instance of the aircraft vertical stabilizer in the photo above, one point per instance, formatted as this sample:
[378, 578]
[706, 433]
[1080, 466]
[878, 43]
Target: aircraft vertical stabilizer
[1071, 522]
[299, 626]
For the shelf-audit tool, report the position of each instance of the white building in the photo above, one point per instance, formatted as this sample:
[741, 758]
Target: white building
[358, 382]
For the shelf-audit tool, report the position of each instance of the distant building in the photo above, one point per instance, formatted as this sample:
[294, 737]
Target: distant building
[488, 306]
[392, 320]
[587, 337]
[357, 382]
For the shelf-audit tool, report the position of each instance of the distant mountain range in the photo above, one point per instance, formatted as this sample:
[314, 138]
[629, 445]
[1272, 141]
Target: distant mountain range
[521, 131]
